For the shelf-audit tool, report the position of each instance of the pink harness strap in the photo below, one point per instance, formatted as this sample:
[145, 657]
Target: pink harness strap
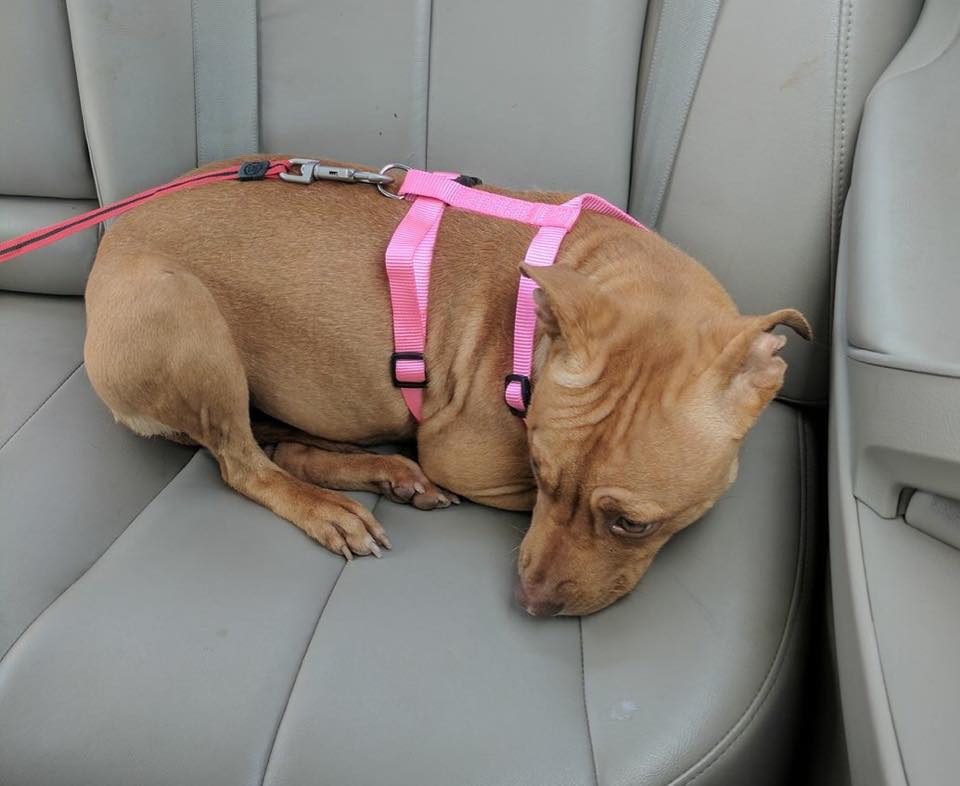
[410, 255]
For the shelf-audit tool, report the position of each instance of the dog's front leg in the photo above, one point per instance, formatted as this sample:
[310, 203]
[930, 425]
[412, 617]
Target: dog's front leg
[396, 477]
[162, 357]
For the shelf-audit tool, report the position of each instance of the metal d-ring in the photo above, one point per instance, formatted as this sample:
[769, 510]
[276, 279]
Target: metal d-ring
[381, 187]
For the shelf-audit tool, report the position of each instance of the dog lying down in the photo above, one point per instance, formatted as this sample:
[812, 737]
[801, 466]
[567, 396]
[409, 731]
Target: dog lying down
[646, 377]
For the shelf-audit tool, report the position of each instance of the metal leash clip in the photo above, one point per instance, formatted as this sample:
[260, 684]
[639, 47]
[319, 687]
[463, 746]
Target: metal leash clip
[311, 170]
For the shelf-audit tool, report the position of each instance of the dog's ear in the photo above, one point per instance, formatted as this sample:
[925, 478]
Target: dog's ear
[571, 310]
[566, 301]
[749, 368]
[791, 318]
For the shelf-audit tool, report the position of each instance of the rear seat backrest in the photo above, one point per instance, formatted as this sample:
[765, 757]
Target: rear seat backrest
[44, 173]
[542, 93]
[536, 94]
[505, 97]
[761, 171]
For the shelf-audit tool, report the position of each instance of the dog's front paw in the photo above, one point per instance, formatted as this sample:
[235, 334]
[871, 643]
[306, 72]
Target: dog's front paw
[403, 481]
[345, 527]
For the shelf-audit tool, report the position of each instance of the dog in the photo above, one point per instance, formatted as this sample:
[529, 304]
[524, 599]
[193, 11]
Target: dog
[266, 295]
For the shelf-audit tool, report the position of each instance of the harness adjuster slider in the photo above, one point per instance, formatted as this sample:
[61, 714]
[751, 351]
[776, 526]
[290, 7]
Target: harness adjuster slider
[401, 383]
[524, 382]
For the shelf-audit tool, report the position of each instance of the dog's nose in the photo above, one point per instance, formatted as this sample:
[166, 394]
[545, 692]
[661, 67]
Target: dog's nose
[536, 601]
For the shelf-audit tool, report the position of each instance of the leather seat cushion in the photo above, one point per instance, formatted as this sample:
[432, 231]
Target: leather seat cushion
[41, 344]
[203, 640]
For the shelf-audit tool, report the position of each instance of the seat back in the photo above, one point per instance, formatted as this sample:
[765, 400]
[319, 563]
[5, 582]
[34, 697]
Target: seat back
[44, 172]
[545, 93]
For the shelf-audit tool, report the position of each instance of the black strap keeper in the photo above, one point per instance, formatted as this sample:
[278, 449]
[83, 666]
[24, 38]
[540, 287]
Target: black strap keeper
[393, 369]
[524, 392]
[253, 170]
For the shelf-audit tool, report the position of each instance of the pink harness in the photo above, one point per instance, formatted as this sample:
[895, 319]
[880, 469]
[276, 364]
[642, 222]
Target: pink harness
[410, 255]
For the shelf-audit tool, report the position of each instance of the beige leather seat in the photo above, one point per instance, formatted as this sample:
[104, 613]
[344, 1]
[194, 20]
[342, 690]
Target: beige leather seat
[156, 628]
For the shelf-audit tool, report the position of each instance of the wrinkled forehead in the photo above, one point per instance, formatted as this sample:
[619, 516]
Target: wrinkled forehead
[680, 455]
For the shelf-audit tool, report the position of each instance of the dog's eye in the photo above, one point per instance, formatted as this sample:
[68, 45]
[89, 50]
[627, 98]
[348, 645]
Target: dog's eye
[633, 529]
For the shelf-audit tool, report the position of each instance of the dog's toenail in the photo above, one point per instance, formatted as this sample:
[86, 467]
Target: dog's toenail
[347, 554]
[418, 488]
[375, 549]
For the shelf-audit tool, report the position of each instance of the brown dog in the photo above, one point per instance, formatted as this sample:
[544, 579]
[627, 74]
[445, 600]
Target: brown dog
[646, 377]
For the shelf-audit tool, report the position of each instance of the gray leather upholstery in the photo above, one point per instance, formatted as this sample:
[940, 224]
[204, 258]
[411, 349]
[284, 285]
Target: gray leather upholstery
[211, 643]
[565, 120]
[936, 516]
[44, 173]
[766, 153]
[70, 483]
[907, 209]
[161, 629]
[147, 49]
[914, 586]
[366, 102]
[42, 151]
[57, 269]
[896, 421]
[41, 341]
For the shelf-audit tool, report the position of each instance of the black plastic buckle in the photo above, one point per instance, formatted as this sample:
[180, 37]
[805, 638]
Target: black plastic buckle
[468, 180]
[393, 369]
[253, 170]
[524, 393]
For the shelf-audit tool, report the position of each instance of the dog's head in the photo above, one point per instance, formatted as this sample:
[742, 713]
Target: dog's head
[641, 403]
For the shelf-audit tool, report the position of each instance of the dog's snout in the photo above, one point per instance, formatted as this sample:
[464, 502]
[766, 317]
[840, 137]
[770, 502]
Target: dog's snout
[537, 600]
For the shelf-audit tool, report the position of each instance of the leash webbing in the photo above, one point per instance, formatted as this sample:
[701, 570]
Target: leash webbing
[38, 238]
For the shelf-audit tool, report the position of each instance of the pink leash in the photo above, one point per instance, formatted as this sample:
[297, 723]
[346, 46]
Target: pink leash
[249, 170]
[410, 255]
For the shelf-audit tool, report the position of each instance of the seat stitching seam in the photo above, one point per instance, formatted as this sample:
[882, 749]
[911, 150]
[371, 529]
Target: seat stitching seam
[779, 658]
[586, 709]
[656, 56]
[426, 90]
[255, 109]
[637, 105]
[53, 392]
[303, 657]
[83, 121]
[841, 90]
[296, 676]
[92, 564]
[195, 36]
